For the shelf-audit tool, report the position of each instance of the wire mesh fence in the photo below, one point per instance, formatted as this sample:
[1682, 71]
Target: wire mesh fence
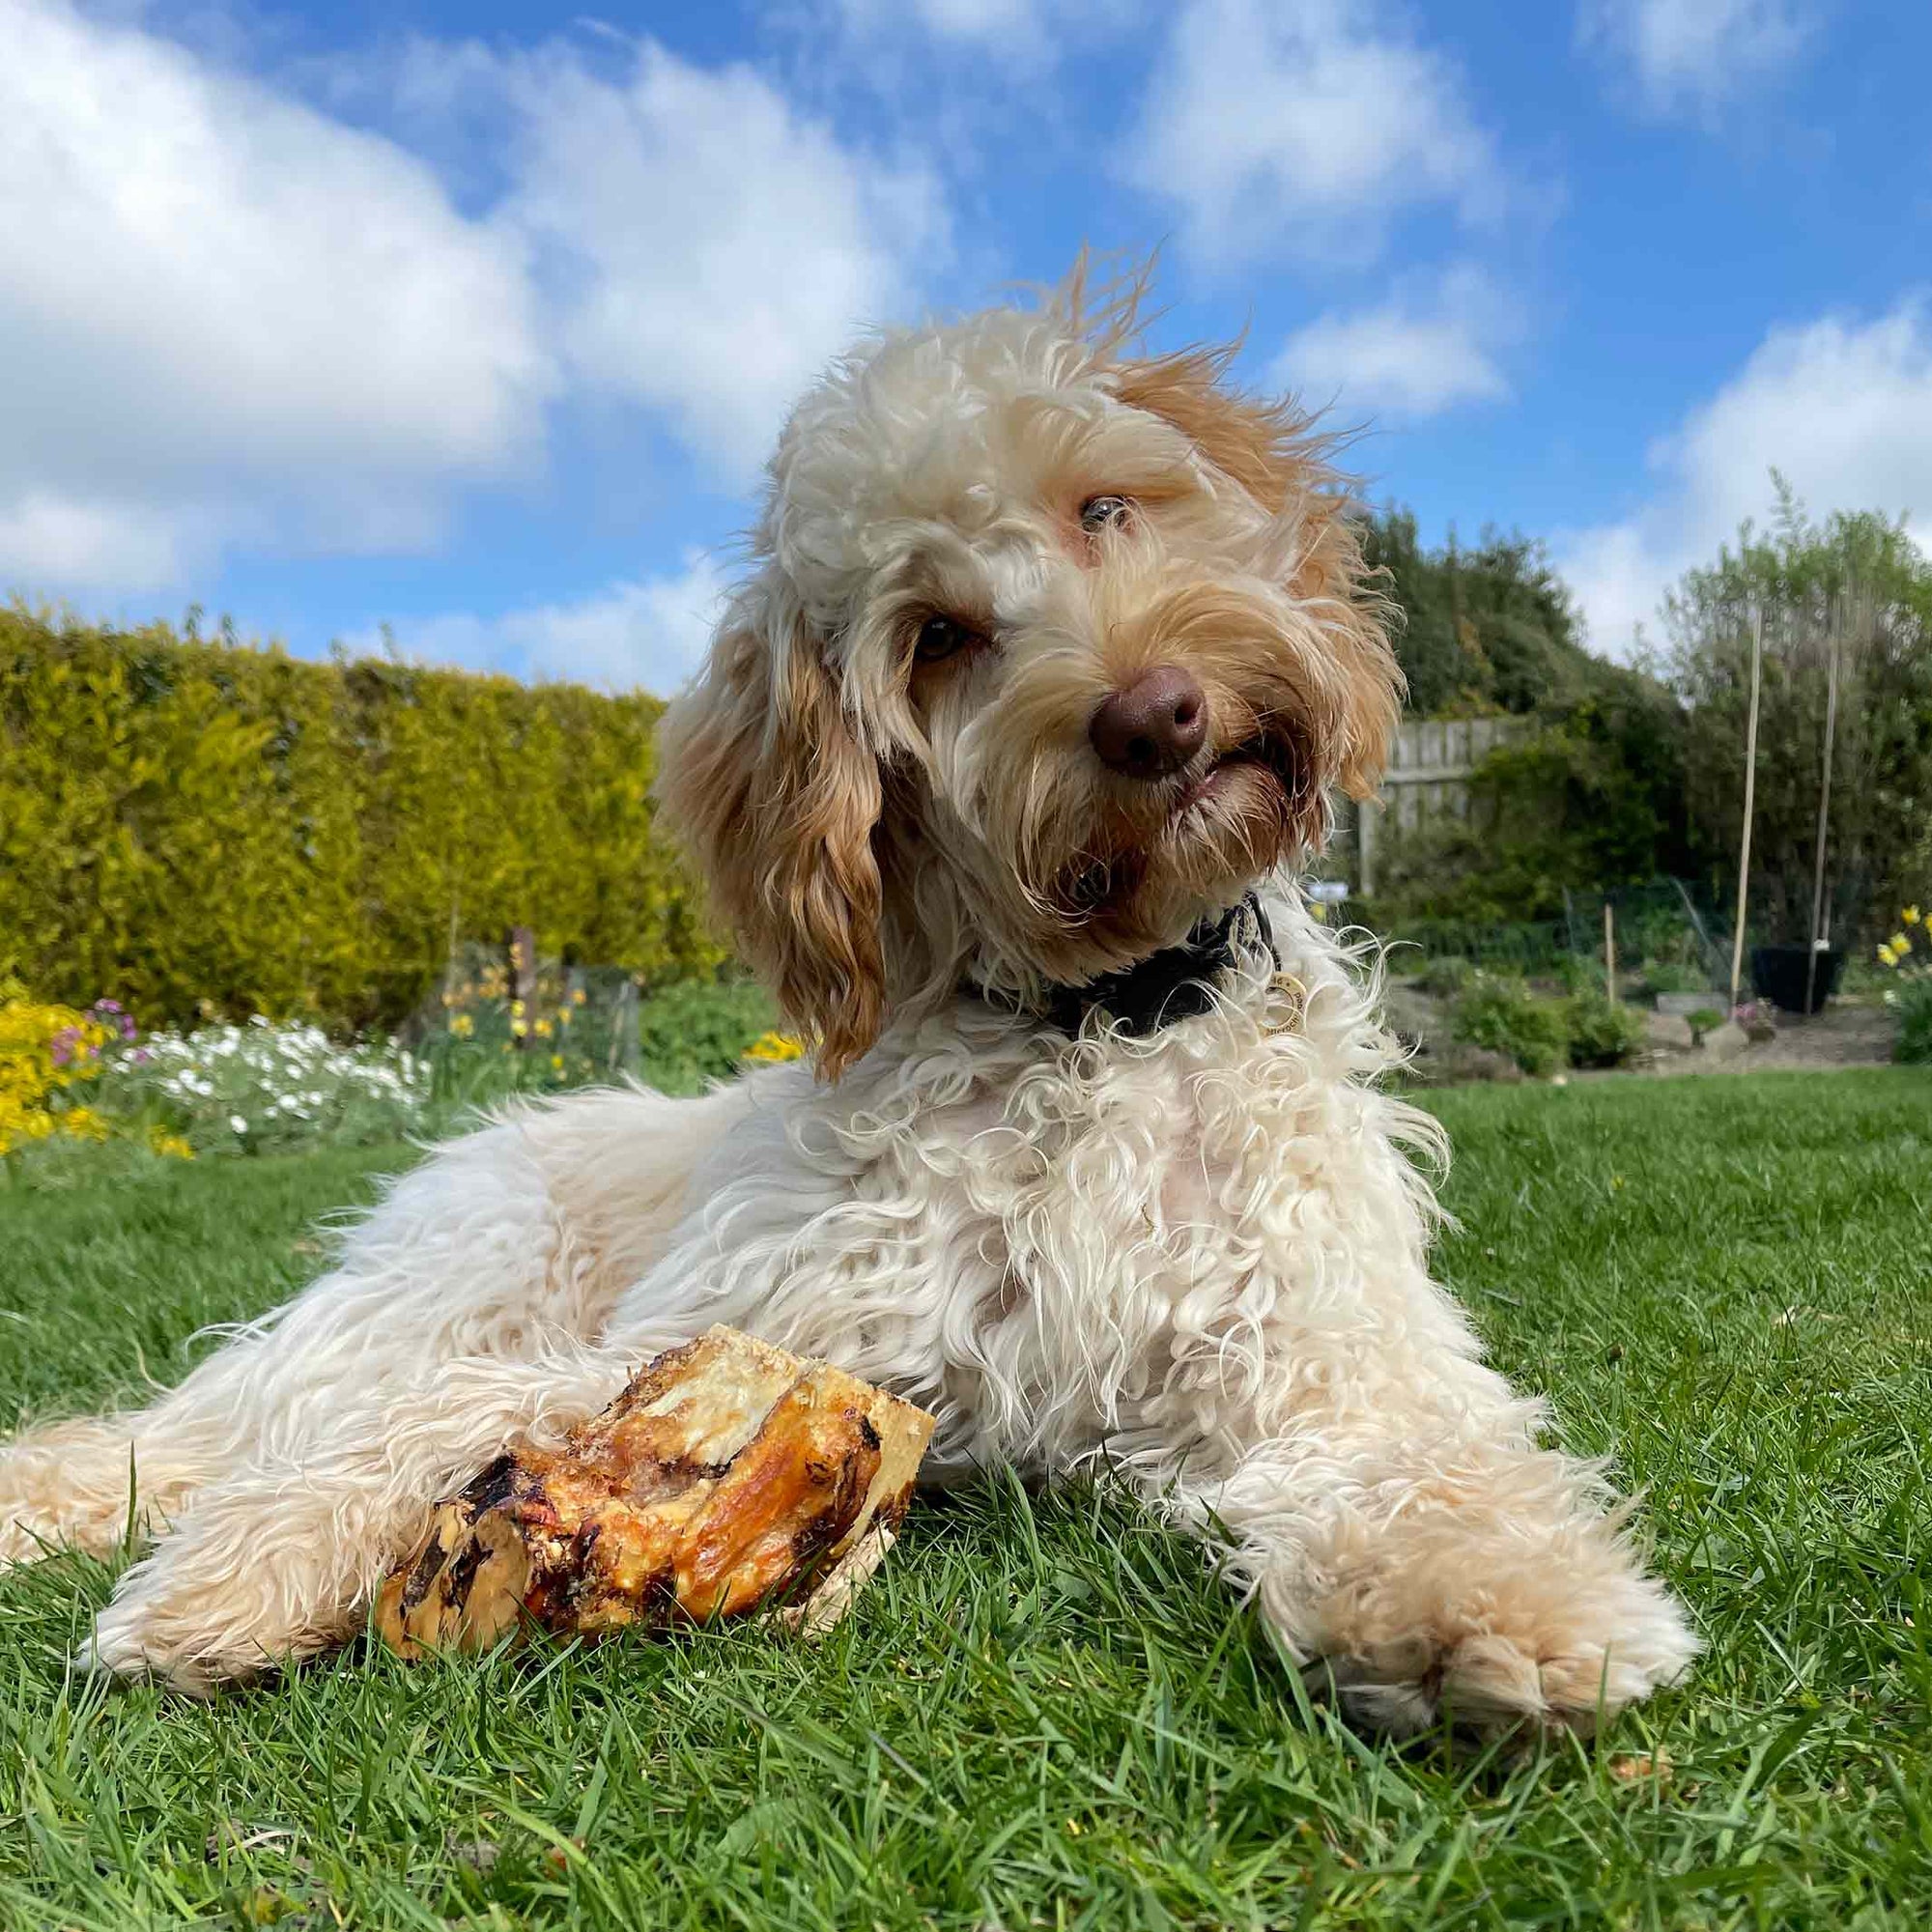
[1663, 934]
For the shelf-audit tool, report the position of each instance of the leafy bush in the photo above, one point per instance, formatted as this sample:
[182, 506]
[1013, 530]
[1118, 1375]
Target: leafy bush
[1503, 1015]
[1443, 979]
[694, 1034]
[1706, 1019]
[1589, 798]
[1910, 995]
[1668, 976]
[1541, 1034]
[219, 831]
[1601, 1031]
[1912, 1004]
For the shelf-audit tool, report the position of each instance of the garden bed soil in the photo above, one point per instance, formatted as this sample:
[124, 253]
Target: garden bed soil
[1851, 1032]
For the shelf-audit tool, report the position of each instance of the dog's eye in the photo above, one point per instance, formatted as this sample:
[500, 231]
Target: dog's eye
[940, 637]
[1097, 512]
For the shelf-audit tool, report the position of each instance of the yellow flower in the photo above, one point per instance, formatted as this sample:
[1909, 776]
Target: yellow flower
[83, 1124]
[1912, 915]
[516, 1009]
[557, 1062]
[542, 1029]
[1887, 957]
[170, 1146]
[1901, 944]
[462, 1025]
[773, 1047]
[518, 1028]
[577, 997]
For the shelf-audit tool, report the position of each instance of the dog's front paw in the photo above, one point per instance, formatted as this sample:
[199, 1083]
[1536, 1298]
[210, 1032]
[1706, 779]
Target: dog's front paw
[127, 1641]
[1553, 1641]
[197, 1614]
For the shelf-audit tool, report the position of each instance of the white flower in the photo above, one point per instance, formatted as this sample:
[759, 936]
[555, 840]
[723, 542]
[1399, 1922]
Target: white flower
[236, 1121]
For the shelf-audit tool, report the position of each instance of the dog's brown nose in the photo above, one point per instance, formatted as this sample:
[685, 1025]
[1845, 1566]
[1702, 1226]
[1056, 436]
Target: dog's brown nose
[1154, 726]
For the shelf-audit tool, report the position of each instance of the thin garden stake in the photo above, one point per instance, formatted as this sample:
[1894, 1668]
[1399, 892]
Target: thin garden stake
[1609, 952]
[1750, 803]
[1824, 816]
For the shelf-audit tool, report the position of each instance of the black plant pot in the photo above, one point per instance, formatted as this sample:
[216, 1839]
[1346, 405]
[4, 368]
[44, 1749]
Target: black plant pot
[1779, 973]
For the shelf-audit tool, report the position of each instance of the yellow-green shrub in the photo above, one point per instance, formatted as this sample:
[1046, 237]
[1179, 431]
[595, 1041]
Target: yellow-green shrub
[197, 826]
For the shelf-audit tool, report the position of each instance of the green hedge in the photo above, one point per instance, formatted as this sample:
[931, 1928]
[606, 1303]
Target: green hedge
[192, 826]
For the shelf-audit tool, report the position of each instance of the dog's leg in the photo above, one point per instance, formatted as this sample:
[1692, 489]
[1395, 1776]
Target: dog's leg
[508, 1246]
[1404, 1528]
[280, 1559]
[463, 1255]
[68, 1484]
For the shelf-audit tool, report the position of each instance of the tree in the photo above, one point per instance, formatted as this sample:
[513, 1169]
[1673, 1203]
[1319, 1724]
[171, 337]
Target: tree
[1484, 630]
[1856, 585]
[1587, 799]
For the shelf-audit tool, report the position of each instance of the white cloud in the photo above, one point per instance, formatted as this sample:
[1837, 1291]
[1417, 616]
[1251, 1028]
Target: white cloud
[1405, 358]
[1306, 125]
[1012, 28]
[1695, 54]
[647, 635]
[249, 324]
[1841, 408]
[706, 250]
[237, 314]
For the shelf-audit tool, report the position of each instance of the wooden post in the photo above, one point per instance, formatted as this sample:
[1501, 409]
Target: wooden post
[622, 1057]
[1609, 952]
[1823, 821]
[449, 960]
[1750, 803]
[523, 983]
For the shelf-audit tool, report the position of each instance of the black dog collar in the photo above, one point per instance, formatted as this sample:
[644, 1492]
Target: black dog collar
[1175, 984]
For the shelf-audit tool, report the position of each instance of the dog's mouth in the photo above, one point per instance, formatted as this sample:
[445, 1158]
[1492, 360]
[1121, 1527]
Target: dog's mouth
[1266, 761]
[1233, 812]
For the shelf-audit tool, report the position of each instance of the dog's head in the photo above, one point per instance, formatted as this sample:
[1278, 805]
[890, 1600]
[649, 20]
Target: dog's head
[1049, 649]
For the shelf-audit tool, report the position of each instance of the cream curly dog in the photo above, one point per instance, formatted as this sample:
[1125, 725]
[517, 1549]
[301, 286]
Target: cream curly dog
[1001, 768]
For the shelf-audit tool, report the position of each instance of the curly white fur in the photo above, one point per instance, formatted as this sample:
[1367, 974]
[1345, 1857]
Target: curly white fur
[1200, 1256]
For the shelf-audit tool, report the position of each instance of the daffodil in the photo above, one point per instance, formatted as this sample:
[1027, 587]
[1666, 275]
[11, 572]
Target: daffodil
[1912, 915]
[1901, 944]
[1887, 957]
[770, 1048]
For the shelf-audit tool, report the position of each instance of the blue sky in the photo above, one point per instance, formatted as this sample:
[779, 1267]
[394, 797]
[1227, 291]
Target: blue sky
[475, 322]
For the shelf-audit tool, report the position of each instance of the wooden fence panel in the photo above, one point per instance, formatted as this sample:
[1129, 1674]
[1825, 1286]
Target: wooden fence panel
[1430, 761]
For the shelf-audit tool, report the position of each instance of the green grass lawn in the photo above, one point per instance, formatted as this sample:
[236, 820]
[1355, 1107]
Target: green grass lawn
[1044, 1713]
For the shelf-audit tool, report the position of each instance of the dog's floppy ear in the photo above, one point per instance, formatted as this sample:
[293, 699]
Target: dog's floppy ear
[763, 776]
[1274, 452]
